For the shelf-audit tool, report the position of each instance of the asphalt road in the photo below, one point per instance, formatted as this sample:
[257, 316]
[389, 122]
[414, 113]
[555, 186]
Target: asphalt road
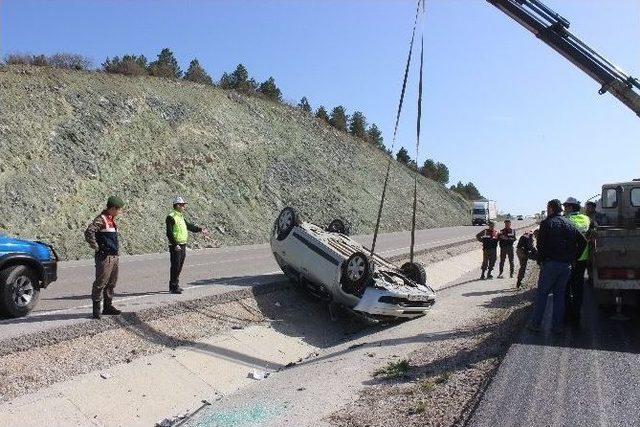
[587, 376]
[143, 279]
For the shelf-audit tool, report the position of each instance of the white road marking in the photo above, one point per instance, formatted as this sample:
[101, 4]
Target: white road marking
[238, 279]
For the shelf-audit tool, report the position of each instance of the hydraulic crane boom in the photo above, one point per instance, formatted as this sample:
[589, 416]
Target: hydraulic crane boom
[553, 29]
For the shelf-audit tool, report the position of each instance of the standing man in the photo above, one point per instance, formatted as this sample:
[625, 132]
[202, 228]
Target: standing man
[177, 233]
[489, 239]
[102, 236]
[575, 286]
[525, 251]
[559, 242]
[590, 211]
[507, 238]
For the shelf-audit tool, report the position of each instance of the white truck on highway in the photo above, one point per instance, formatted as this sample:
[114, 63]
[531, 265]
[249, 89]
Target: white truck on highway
[616, 245]
[483, 212]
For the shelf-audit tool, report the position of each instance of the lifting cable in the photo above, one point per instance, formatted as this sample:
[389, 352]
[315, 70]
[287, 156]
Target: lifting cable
[415, 176]
[395, 129]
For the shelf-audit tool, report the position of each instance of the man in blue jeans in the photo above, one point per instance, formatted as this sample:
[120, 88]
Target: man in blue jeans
[559, 242]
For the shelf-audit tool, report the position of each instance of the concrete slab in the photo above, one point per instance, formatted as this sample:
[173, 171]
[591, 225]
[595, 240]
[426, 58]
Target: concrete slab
[50, 411]
[136, 393]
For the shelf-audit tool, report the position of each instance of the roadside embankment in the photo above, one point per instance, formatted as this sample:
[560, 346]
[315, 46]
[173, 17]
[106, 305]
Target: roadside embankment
[68, 140]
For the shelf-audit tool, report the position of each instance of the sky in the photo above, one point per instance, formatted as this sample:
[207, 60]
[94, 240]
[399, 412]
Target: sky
[500, 108]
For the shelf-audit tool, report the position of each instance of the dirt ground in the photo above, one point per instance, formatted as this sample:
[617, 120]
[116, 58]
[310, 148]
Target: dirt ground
[440, 385]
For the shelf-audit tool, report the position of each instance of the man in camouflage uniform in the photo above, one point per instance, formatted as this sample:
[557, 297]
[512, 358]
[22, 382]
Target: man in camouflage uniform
[102, 236]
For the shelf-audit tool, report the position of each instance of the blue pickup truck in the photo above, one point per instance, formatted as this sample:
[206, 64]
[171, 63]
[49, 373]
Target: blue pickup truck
[25, 268]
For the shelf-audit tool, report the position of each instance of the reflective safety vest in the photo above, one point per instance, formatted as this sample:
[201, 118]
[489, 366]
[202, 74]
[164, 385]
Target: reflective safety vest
[582, 223]
[180, 232]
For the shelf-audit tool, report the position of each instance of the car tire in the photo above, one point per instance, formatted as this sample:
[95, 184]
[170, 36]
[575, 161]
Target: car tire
[19, 291]
[337, 226]
[415, 271]
[356, 273]
[287, 219]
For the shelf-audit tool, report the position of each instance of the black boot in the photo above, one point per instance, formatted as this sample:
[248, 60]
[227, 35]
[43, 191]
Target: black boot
[109, 309]
[482, 275]
[175, 290]
[96, 309]
[489, 275]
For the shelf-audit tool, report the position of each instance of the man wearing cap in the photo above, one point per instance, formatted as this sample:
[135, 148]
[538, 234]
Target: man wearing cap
[575, 285]
[507, 238]
[559, 243]
[525, 250]
[489, 240]
[102, 236]
[177, 233]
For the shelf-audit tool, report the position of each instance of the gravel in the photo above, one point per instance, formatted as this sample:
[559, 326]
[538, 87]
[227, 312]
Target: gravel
[446, 379]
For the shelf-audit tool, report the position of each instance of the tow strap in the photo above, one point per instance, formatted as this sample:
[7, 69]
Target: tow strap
[415, 176]
[395, 129]
[395, 134]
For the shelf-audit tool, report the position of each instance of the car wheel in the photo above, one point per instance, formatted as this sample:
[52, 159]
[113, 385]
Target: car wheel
[415, 271]
[19, 291]
[356, 272]
[287, 219]
[337, 226]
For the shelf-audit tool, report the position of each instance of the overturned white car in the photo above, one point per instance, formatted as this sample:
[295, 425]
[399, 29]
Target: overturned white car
[336, 268]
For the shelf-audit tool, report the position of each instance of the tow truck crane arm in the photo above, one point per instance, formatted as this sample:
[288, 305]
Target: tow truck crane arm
[553, 29]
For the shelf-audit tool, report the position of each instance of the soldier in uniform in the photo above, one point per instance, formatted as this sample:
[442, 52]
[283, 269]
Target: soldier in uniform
[489, 240]
[102, 236]
[506, 238]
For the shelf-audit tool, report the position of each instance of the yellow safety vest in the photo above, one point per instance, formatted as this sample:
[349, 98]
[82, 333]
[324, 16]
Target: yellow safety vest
[582, 223]
[180, 232]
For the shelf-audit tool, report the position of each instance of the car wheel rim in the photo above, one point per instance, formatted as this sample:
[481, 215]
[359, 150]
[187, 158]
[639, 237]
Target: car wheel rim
[356, 268]
[23, 291]
[285, 220]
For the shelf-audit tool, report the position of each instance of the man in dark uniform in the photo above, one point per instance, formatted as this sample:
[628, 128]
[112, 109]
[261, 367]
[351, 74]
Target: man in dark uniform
[102, 236]
[525, 250]
[489, 239]
[507, 238]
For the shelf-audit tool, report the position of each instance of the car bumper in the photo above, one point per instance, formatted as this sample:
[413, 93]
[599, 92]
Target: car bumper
[381, 302]
[49, 272]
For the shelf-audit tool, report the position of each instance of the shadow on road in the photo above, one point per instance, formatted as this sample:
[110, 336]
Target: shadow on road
[45, 318]
[597, 329]
[117, 295]
[238, 280]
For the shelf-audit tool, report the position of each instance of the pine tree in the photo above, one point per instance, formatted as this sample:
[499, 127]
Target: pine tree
[129, 65]
[240, 79]
[165, 66]
[429, 169]
[403, 156]
[375, 136]
[269, 89]
[321, 113]
[195, 73]
[442, 173]
[225, 81]
[338, 118]
[358, 125]
[304, 105]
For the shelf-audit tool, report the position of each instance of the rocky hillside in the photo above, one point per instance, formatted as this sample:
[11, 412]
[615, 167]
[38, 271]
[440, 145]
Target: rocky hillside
[70, 139]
